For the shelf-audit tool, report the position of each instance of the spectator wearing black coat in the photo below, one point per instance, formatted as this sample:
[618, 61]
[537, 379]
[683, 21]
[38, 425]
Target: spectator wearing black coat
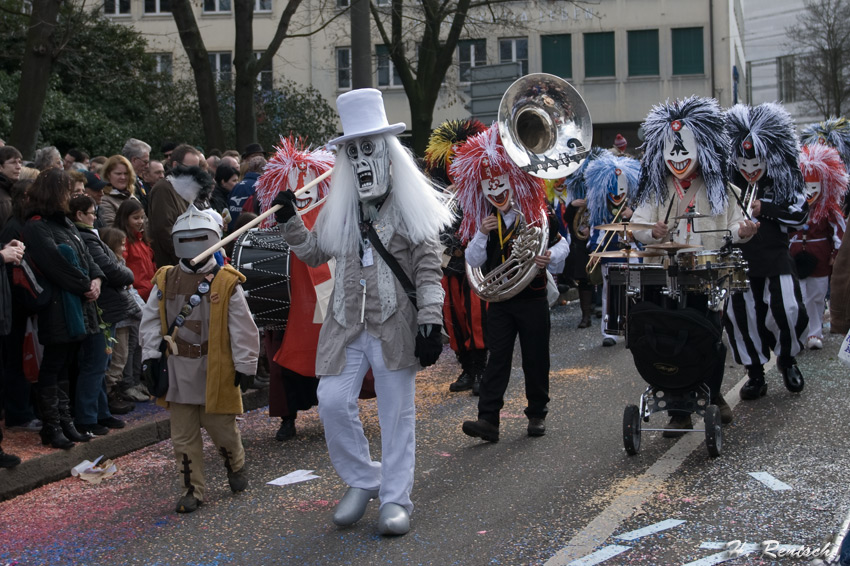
[11, 252]
[55, 247]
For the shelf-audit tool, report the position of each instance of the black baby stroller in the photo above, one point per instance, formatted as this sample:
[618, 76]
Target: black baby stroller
[675, 352]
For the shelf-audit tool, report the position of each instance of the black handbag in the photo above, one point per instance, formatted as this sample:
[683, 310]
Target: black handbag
[805, 262]
[155, 375]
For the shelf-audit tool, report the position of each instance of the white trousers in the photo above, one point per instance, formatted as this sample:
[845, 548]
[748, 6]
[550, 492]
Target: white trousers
[347, 444]
[814, 297]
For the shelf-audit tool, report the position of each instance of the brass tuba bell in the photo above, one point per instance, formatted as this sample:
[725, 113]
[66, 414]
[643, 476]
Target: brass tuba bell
[546, 130]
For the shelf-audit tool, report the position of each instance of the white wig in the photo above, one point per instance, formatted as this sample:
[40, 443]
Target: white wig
[417, 209]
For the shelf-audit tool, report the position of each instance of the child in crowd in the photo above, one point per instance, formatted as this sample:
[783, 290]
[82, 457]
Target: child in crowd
[130, 219]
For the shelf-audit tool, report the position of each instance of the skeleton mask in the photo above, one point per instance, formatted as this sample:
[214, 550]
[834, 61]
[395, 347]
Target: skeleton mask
[617, 193]
[496, 188]
[813, 188]
[300, 176]
[680, 151]
[370, 158]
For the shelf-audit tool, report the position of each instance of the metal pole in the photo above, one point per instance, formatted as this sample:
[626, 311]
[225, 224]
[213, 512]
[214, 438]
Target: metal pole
[361, 45]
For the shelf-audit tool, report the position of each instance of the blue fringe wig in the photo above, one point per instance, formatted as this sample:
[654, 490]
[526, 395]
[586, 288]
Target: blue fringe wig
[834, 132]
[601, 179]
[576, 187]
[774, 142]
[704, 118]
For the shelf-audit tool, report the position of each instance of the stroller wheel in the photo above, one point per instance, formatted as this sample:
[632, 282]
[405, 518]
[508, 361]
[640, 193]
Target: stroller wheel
[713, 432]
[631, 429]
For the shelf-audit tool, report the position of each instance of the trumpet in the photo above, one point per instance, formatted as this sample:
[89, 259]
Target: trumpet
[594, 261]
[749, 197]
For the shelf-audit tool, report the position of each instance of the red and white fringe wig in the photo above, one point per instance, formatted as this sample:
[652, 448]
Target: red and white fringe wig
[288, 169]
[820, 162]
[483, 156]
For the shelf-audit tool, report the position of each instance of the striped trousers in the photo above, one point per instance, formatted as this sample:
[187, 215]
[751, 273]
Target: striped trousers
[769, 316]
[464, 314]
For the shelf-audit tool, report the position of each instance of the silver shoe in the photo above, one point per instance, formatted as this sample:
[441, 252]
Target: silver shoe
[393, 520]
[351, 507]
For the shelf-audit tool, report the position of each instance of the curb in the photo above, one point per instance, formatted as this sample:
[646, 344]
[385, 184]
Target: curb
[57, 465]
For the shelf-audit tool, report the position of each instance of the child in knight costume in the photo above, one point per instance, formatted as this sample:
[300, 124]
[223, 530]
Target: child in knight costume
[493, 191]
[464, 312]
[197, 317]
[685, 172]
[610, 180]
[381, 222]
[815, 246]
[770, 315]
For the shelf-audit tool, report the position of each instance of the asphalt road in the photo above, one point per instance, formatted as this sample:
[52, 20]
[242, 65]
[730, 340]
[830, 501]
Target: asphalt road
[559, 499]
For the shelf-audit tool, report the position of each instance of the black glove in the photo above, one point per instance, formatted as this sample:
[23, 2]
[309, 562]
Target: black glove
[429, 344]
[244, 381]
[286, 200]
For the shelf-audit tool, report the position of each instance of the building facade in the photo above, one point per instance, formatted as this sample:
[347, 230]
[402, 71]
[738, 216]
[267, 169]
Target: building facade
[623, 56]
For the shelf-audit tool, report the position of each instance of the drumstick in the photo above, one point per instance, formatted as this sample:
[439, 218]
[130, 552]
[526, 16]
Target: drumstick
[236, 233]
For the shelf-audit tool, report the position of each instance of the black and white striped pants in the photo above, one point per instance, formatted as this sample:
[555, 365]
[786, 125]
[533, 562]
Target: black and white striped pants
[769, 316]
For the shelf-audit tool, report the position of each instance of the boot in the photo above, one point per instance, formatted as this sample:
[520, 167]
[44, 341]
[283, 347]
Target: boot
[51, 430]
[479, 362]
[65, 420]
[585, 300]
[465, 379]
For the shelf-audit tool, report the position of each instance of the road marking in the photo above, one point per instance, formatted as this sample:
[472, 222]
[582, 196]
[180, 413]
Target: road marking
[600, 555]
[651, 529]
[713, 559]
[621, 508]
[770, 481]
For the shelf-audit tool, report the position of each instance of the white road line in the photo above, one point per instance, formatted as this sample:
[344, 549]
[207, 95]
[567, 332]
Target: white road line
[621, 508]
[600, 555]
[713, 559]
[650, 530]
[770, 481]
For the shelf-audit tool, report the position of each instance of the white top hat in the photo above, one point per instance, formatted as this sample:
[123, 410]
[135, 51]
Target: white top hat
[362, 114]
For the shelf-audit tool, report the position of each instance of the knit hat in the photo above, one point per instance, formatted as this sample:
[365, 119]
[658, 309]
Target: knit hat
[620, 142]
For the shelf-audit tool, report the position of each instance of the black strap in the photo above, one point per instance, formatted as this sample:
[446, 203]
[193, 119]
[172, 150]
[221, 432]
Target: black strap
[392, 262]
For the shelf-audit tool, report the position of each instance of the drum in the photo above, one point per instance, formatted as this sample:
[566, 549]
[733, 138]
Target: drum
[629, 283]
[262, 256]
[707, 271]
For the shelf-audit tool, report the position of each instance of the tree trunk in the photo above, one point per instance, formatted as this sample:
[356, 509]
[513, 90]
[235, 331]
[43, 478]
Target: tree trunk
[36, 68]
[246, 73]
[193, 44]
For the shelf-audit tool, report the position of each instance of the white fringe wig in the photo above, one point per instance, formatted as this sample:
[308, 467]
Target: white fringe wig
[467, 171]
[821, 161]
[770, 129]
[835, 132]
[601, 178]
[419, 210]
[704, 118]
[576, 186]
[284, 163]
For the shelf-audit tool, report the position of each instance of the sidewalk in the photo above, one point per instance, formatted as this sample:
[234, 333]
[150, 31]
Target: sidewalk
[146, 425]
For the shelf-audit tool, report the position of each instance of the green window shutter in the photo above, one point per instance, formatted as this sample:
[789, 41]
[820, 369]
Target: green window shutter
[599, 54]
[688, 51]
[557, 55]
[643, 52]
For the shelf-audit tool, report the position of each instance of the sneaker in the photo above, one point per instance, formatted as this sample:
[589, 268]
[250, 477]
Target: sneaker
[814, 343]
[481, 429]
[8, 460]
[95, 429]
[111, 422]
[188, 504]
[726, 415]
[238, 480]
[536, 427]
[136, 394]
[677, 422]
[29, 426]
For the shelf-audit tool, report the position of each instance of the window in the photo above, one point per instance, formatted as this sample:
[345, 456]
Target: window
[599, 54]
[221, 64]
[343, 3]
[643, 52]
[511, 50]
[470, 53]
[387, 73]
[786, 77]
[116, 7]
[557, 55]
[163, 65]
[343, 67]
[687, 51]
[157, 6]
[216, 6]
[262, 6]
[265, 80]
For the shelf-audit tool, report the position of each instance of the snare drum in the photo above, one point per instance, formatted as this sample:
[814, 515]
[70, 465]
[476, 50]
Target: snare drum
[708, 271]
[629, 283]
[262, 256]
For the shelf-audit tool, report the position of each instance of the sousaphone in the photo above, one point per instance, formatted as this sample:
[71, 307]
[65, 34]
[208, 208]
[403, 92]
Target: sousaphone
[546, 130]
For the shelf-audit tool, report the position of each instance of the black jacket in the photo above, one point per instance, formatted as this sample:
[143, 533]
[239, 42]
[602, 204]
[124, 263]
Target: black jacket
[115, 300]
[42, 236]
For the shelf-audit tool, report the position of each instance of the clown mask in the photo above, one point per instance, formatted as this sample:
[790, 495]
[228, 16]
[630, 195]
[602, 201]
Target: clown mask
[298, 177]
[560, 189]
[370, 159]
[813, 189]
[680, 151]
[617, 193]
[751, 168]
